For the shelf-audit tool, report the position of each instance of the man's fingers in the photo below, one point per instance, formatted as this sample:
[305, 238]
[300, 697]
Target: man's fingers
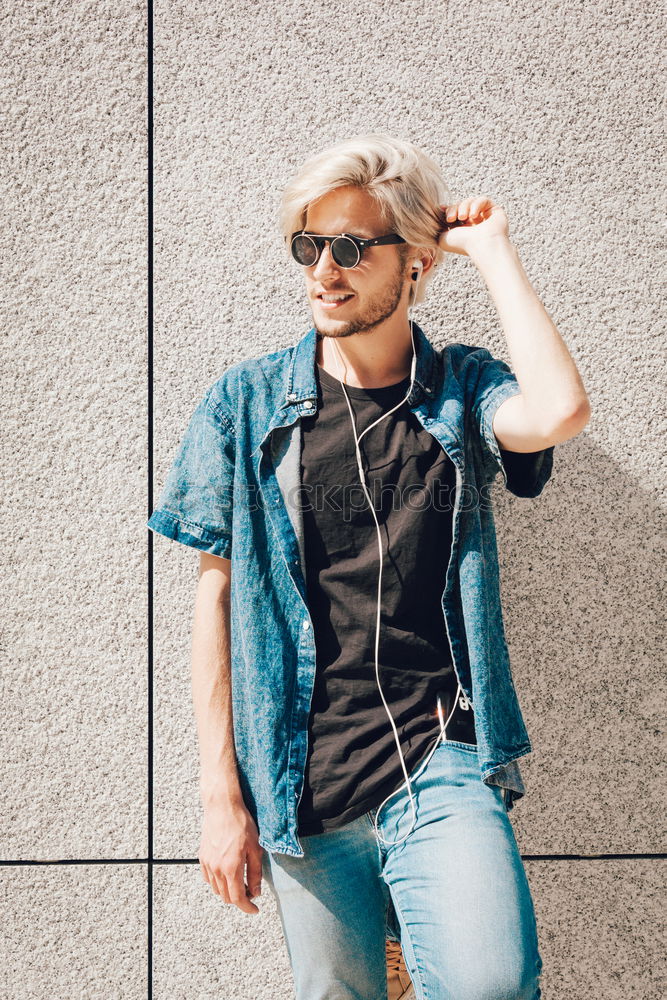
[219, 886]
[231, 887]
[204, 872]
[467, 209]
[217, 882]
[254, 871]
[238, 894]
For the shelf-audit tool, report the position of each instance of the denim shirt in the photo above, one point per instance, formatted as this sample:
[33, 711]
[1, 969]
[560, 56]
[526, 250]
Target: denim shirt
[233, 490]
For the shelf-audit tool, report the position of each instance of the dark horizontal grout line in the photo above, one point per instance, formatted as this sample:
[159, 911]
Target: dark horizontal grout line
[592, 857]
[79, 861]
[195, 861]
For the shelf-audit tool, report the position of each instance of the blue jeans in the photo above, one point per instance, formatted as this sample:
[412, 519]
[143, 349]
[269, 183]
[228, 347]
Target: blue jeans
[454, 893]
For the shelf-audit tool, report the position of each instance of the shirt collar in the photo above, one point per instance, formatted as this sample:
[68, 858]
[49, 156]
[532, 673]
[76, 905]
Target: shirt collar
[302, 383]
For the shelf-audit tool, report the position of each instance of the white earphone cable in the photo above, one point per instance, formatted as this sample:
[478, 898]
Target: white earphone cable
[443, 725]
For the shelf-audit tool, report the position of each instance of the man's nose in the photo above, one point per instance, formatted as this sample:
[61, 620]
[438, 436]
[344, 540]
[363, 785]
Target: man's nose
[326, 264]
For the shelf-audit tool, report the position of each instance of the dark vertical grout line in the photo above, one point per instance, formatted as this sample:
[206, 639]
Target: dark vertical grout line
[149, 290]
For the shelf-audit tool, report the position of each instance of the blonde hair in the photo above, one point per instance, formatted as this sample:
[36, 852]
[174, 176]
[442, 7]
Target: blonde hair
[403, 180]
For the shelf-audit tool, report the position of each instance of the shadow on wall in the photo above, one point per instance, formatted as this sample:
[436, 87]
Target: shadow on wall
[580, 570]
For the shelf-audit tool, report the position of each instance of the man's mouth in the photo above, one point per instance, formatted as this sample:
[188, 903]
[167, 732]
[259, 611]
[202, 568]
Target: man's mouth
[334, 300]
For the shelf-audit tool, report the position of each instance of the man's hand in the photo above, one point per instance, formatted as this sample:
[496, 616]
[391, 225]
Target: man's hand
[229, 841]
[470, 223]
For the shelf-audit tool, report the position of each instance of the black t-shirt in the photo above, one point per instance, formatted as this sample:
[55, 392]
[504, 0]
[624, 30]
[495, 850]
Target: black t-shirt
[353, 761]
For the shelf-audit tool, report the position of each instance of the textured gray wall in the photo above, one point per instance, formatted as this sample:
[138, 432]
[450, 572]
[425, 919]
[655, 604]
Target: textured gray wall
[554, 110]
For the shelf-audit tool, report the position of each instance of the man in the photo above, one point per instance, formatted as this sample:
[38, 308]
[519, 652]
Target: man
[358, 726]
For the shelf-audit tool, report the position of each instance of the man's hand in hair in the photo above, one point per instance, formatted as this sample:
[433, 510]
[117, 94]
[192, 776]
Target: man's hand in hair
[467, 224]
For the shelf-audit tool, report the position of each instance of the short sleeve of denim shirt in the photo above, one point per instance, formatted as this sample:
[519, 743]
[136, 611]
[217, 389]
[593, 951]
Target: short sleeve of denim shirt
[524, 473]
[195, 506]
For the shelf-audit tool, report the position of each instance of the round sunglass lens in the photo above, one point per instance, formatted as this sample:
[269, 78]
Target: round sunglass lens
[344, 251]
[304, 250]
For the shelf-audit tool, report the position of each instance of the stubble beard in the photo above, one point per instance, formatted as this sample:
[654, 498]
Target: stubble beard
[374, 314]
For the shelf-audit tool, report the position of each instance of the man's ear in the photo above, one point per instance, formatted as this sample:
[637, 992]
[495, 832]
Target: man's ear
[424, 254]
[428, 259]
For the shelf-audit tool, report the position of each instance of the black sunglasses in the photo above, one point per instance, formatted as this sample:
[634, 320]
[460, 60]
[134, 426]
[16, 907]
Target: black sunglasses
[346, 249]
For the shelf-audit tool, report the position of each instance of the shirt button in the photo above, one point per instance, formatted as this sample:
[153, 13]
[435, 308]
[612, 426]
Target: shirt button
[308, 404]
[306, 625]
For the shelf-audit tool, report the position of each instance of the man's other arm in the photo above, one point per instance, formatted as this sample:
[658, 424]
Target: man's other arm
[230, 837]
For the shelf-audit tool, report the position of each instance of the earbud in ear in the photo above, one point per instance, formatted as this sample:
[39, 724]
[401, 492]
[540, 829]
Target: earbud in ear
[419, 267]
